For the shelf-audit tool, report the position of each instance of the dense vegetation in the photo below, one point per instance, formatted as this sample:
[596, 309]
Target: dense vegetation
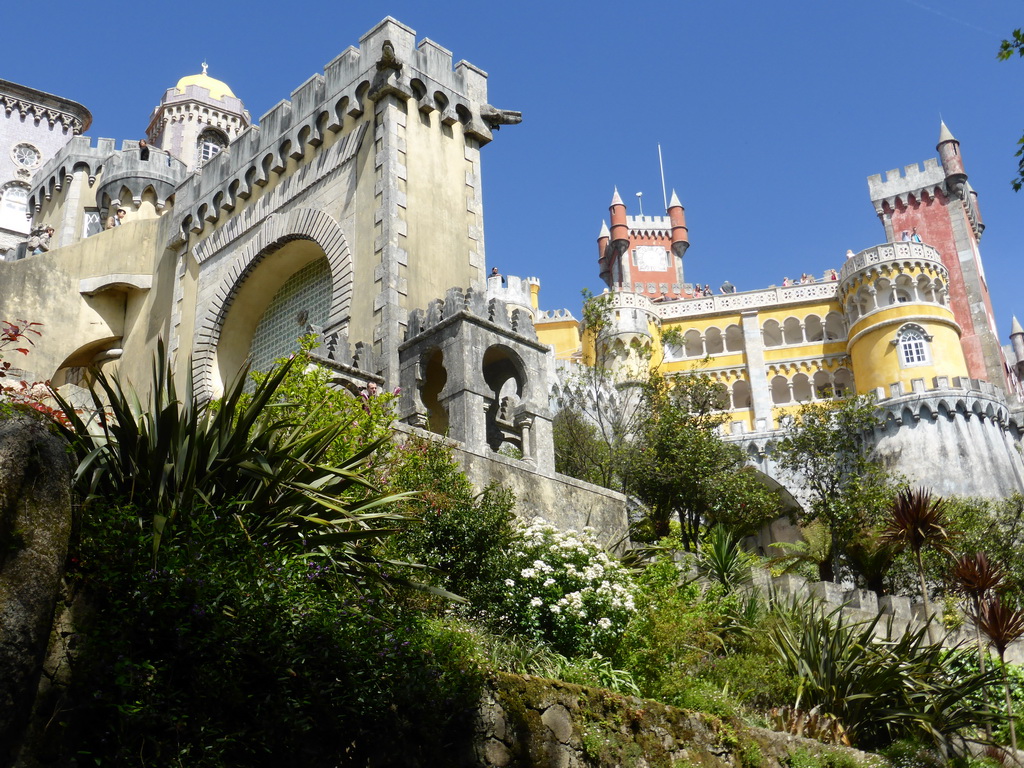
[265, 581]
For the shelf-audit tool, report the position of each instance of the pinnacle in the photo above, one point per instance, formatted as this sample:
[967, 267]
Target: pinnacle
[674, 201]
[616, 200]
[944, 133]
[1015, 327]
[606, 233]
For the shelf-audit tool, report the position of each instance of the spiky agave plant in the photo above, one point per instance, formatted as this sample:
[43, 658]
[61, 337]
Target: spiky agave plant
[881, 690]
[176, 455]
[1002, 624]
[917, 521]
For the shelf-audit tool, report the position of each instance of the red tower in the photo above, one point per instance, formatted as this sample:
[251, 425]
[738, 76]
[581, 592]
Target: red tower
[644, 254]
[938, 205]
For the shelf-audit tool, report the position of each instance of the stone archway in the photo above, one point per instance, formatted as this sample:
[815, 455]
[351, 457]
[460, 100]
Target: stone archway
[276, 232]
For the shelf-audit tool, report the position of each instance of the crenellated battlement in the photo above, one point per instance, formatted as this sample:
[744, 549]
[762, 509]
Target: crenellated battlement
[119, 168]
[356, 365]
[387, 62]
[649, 226]
[553, 315]
[470, 304]
[913, 180]
[952, 398]
[512, 290]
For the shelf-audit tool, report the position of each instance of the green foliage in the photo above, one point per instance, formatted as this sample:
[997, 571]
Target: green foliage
[1006, 50]
[805, 556]
[249, 457]
[563, 588]
[722, 558]
[702, 650]
[679, 466]
[824, 758]
[581, 451]
[238, 653]
[305, 388]
[825, 451]
[881, 690]
[992, 526]
[597, 411]
[464, 536]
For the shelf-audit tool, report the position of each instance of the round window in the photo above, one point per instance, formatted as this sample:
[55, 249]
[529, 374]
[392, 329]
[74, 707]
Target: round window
[26, 155]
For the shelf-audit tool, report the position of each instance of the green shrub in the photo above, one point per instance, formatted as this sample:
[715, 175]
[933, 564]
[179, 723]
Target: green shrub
[237, 653]
[563, 588]
[465, 536]
[882, 691]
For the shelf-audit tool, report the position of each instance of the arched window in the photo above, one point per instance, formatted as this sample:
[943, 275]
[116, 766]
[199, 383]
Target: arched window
[741, 394]
[209, 145]
[713, 342]
[302, 302]
[912, 343]
[772, 334]
[14, 208]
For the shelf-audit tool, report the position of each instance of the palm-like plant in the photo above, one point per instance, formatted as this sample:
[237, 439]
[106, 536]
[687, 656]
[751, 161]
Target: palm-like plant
[721, 558]
[880, 690]
[1002, 625]
[976, 578]
[176, 455]
[916, 521]
[871, 558]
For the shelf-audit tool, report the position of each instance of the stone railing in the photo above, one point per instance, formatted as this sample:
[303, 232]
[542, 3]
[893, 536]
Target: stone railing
[891, 252]
[897, 614]
[735, 302]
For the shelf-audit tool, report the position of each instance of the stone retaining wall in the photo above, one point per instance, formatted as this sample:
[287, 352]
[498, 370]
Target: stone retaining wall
[528, 721]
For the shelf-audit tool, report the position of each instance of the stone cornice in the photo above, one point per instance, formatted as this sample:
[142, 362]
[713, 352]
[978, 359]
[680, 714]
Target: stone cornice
[45, 106]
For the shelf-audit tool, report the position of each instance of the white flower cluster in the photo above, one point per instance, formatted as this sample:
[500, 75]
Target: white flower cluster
[568, 590]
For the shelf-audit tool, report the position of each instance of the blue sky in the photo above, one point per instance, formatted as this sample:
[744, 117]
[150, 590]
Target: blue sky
[770, 115]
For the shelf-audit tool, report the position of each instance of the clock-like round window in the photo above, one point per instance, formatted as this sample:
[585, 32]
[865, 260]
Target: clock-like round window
[26, 155]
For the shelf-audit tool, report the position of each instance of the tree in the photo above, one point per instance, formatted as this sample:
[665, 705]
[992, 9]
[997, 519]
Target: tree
[680, 466]
[1006, 50]
[825, 452]
[598, 407]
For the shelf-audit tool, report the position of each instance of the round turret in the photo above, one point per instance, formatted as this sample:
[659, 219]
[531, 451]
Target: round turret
[901, 327]
[949, 154]
[197, 119]
[630, 330]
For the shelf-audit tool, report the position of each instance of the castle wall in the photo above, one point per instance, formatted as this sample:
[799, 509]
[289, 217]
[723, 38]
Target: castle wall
[955, 443]
[88, 297]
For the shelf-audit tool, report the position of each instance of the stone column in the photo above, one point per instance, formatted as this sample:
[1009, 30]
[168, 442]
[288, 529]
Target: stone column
[66, 234]
[760, 396]
[390, 232]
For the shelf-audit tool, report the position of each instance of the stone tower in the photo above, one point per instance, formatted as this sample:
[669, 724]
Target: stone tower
[196, 119]
[938, 203]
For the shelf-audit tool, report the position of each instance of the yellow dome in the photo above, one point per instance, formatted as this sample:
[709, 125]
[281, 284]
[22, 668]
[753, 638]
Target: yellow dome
[218, 90]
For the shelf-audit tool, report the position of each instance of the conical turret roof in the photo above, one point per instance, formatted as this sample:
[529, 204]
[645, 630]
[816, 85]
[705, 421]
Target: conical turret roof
[944, 133]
